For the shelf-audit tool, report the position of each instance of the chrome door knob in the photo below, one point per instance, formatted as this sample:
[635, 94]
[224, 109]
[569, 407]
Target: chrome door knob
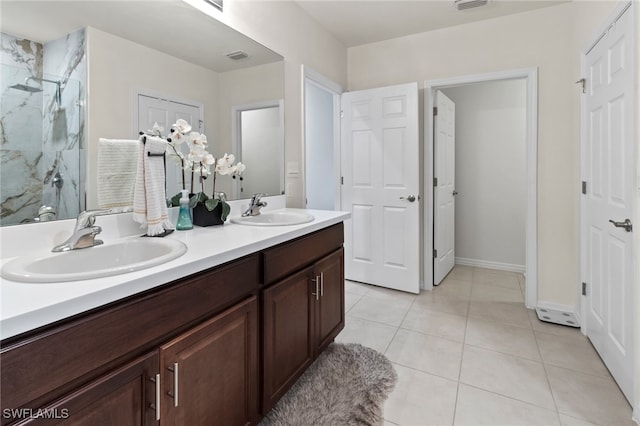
[410, 198]
[626, 224]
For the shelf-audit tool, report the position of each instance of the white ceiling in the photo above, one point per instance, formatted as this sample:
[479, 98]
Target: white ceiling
[170, 26]
[367, 21]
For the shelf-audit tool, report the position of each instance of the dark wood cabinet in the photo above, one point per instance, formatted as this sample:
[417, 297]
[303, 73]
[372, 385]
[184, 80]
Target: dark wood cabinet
[288, 337]
[214, 348]
[330, 304]
[301, 315]
[123, 397]
[210, 373]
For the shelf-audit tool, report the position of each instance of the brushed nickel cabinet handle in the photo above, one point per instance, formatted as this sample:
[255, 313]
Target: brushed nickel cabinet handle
[316, 280]
[174, 395]
[321, 284]
[156, 406]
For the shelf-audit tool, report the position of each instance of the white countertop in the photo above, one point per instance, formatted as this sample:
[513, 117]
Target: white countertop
[26, 306]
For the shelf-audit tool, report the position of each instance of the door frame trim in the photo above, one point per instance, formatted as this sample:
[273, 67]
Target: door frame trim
[531, 256]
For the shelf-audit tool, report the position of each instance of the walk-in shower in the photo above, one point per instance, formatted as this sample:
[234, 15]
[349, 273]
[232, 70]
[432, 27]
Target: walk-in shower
[34, 89]
[40, 158]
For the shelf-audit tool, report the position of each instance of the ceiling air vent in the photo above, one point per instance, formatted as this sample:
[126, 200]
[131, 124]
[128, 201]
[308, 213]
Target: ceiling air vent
[238, 54]
[468, 4]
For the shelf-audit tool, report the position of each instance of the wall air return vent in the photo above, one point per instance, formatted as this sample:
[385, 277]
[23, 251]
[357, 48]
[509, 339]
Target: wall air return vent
[469, 4]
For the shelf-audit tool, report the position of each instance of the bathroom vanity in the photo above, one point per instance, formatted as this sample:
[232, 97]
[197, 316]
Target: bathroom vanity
[217, 345]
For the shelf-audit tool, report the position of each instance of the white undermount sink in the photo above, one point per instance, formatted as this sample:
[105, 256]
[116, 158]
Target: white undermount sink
[275, 218]
[120, 257]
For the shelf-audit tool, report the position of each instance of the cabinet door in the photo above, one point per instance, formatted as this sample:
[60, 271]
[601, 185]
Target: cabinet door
[125, 397]
[288, 309]
[210, 373]
[329, 273]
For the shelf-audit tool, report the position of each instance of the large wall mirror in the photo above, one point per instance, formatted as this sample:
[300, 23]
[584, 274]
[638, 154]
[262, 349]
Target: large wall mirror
[74, 72]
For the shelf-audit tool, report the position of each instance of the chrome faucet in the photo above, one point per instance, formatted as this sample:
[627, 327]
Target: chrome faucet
[84, 232]
[255, 205]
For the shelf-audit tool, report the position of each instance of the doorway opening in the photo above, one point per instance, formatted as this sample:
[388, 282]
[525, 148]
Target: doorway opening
[321, 130]
[257, 135]
[528, 77]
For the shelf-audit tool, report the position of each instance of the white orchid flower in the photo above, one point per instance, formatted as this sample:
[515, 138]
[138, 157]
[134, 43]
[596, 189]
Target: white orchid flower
[227, 159]
[202, 169]
[198, 138]
[240, 167]
[179, 130]
[208, 160]
[181, 126]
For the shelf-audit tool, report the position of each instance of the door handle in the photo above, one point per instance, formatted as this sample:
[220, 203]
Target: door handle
[626, 224]
[410, 198]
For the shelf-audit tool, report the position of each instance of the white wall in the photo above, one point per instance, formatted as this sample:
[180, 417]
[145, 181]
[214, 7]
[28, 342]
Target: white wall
[116, 68]
[242, 87]
[548, 38]
[285, 28]
[491, 173]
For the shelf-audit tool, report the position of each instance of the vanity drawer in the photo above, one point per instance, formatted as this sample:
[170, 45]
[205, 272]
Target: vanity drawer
[292, 256]
[44, 366]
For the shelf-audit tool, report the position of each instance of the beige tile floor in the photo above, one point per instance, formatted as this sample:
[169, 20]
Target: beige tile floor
[470, 353]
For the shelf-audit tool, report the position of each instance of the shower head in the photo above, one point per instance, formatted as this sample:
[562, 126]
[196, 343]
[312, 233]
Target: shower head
[31, 89]
[26, 88]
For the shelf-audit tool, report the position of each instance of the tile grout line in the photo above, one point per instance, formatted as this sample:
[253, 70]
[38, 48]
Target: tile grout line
[464, 343]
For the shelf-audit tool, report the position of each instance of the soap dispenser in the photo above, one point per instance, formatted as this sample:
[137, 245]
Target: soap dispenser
[184, 215]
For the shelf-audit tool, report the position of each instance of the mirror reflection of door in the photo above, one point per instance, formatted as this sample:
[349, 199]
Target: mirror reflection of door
[258, 135]
[165, 112]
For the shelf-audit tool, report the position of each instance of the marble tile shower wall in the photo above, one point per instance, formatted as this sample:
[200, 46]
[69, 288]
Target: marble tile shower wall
[41, 140]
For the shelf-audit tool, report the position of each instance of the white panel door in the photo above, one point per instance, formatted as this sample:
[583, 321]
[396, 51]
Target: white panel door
[444, 206]
[610, 197]
[380, 163]
[166, 112]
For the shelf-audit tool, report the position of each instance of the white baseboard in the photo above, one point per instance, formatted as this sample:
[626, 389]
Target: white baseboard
[557, 311]
[490, 265]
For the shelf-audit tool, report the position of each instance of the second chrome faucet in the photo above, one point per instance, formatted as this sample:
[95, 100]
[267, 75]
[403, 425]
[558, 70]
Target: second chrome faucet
[255, 205]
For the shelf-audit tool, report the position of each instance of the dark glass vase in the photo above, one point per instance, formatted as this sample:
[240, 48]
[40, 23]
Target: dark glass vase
[203, 217]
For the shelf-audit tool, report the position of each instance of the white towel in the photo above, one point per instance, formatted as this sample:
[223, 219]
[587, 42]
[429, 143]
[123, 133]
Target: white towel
[117, 164]
[149, 200]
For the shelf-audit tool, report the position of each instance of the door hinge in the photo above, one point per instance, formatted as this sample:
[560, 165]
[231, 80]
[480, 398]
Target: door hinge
[583, 82]
[435, 253]
[435, 181]
[584, 289]
[435, 111]
[341, 114]
[584, 187]
[341, 180]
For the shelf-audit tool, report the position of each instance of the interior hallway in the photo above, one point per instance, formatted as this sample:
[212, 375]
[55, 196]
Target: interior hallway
[470, 353]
